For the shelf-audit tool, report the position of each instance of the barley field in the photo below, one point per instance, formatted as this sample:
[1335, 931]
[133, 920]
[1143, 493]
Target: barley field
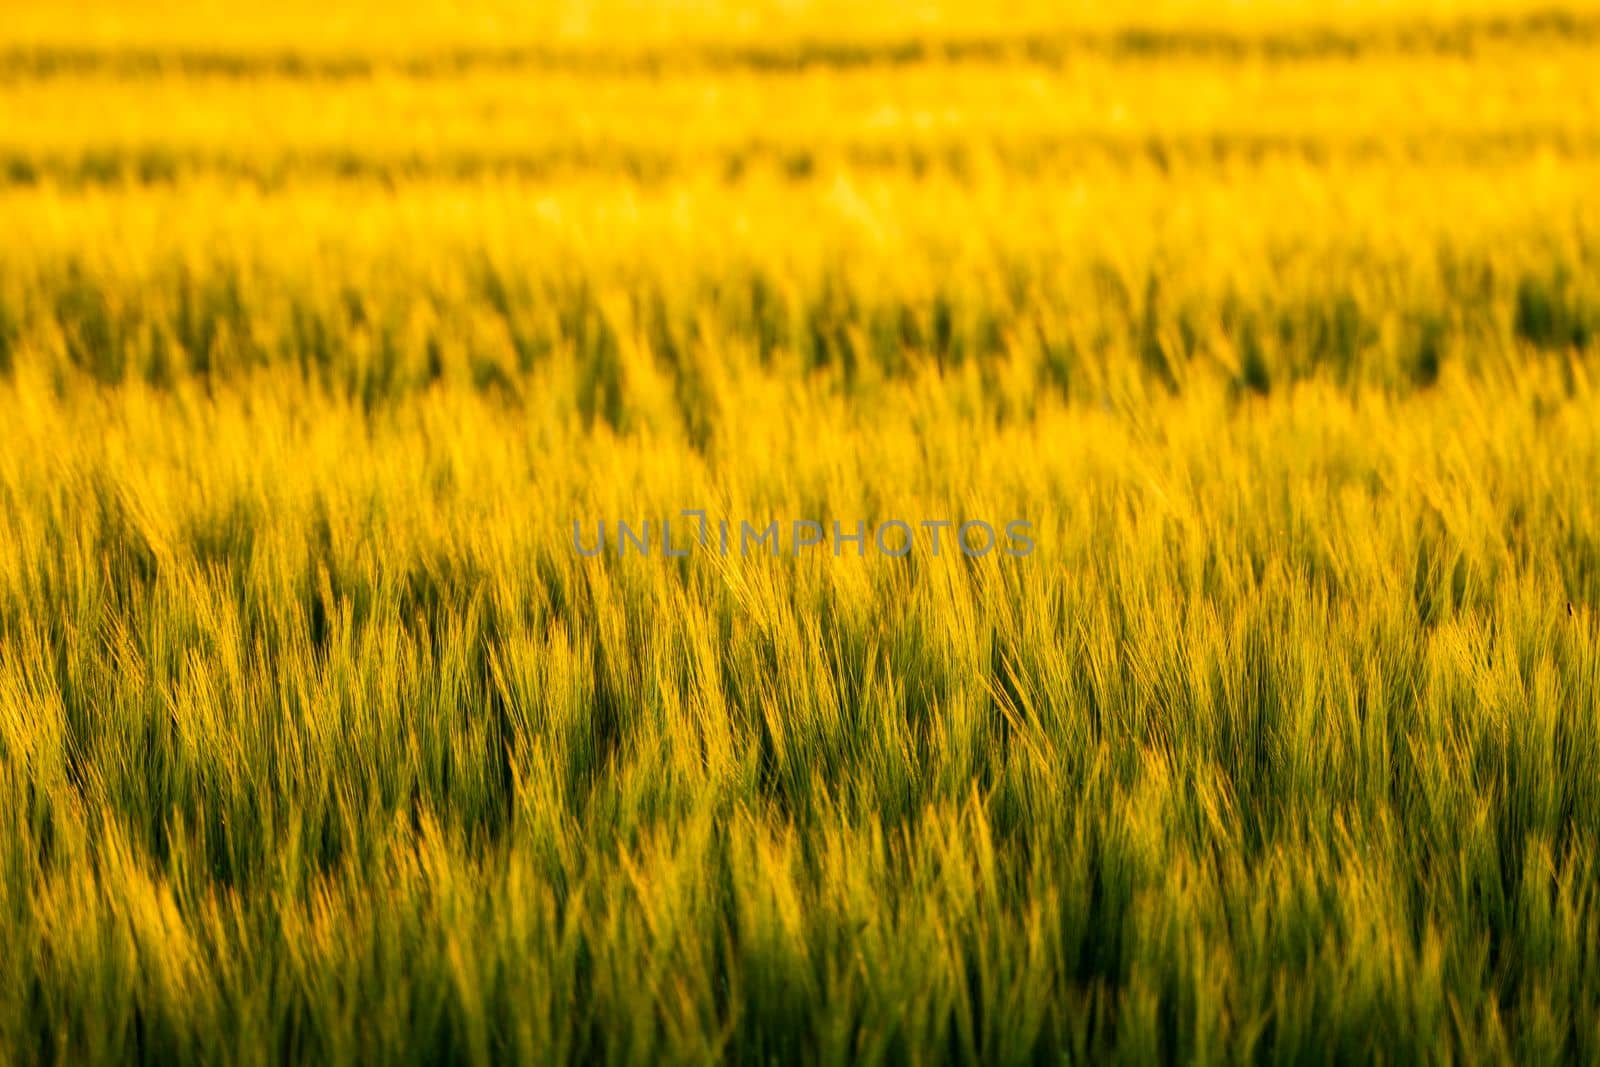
[331, 340]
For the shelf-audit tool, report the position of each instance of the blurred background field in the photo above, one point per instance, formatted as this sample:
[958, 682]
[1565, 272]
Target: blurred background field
[318, 330]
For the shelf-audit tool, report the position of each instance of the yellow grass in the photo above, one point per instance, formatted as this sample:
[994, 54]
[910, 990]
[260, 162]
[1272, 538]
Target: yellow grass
[320, 330]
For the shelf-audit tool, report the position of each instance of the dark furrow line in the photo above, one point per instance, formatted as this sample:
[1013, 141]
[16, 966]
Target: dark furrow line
[1460, 37]
[159, 165]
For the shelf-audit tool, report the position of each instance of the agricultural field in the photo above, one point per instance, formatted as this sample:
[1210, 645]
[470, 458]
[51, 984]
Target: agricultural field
[367, 697]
